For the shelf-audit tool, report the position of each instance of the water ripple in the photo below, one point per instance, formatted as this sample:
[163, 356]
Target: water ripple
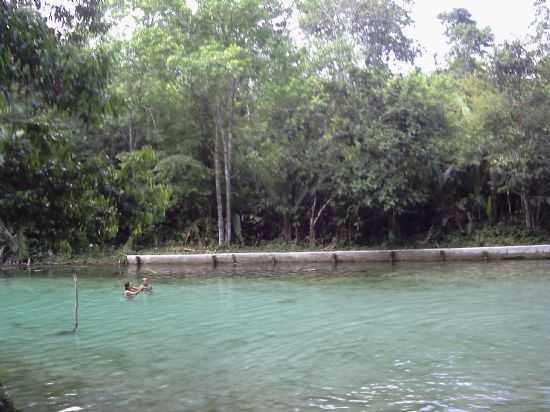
[405, 340]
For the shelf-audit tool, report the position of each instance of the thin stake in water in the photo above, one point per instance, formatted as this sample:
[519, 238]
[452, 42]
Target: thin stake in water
[75, 278]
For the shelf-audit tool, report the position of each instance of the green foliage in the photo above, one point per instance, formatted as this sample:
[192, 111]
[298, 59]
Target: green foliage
[49, 194]
[468, 42]
[107, 142]
[47, 71]
[376, 28]
[52, 85]
[142, 200]
[395, 156]
[503, 234]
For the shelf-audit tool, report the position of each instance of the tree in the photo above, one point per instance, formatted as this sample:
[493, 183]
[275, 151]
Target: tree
[292, 158]
[523, 159]
[217, 74]
[541, 37]
[52, 86]
[234, 41]
[376, 28]
[142, 200]
[468, 43]
[396, 157]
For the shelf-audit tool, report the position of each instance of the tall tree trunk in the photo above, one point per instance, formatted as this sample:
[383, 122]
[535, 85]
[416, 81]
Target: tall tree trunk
[314, 218]
[227, 161]
[537, 216]
[312, 239]
[492, 206]
[218, 177]
[130, 134]
[8, 242]
[526, 211]
[509, 202]
[286, 229]
[147, 126]
[394, 227]
[227, 154]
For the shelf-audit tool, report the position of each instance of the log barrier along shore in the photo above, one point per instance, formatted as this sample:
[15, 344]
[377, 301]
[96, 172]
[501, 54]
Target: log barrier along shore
[363, 256]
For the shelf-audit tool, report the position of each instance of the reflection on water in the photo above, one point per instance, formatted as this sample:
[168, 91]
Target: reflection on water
[382, 338]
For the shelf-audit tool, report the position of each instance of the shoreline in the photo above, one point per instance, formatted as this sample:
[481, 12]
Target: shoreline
[287, 253]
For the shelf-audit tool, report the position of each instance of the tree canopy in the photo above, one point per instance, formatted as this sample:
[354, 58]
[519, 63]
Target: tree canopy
[249, 121]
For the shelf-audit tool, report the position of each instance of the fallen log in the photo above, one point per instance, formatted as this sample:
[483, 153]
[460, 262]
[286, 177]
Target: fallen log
[363, 256]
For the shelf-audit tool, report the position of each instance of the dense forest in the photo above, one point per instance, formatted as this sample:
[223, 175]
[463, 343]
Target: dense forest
[240, 122]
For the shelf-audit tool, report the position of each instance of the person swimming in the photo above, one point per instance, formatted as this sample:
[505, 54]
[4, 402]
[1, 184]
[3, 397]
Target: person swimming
[147, 287]
[130, 290]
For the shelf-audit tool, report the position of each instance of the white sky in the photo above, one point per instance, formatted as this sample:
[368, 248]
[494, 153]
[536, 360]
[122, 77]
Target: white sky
[508, 19]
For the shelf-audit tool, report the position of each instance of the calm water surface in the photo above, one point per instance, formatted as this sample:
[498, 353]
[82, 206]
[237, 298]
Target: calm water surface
[472, 337]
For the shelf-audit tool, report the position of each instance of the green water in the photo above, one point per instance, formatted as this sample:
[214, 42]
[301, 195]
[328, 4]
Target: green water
[403, 338]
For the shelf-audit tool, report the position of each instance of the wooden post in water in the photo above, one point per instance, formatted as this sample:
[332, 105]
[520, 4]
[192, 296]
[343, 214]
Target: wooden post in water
[75, 278]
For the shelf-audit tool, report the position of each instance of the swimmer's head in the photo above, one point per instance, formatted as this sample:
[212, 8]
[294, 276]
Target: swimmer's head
[127, 286]
[145, 280]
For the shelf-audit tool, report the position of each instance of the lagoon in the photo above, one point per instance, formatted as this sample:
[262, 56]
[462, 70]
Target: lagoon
[407, 337]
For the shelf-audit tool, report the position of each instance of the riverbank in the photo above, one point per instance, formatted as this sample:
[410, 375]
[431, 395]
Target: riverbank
[111, 256]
